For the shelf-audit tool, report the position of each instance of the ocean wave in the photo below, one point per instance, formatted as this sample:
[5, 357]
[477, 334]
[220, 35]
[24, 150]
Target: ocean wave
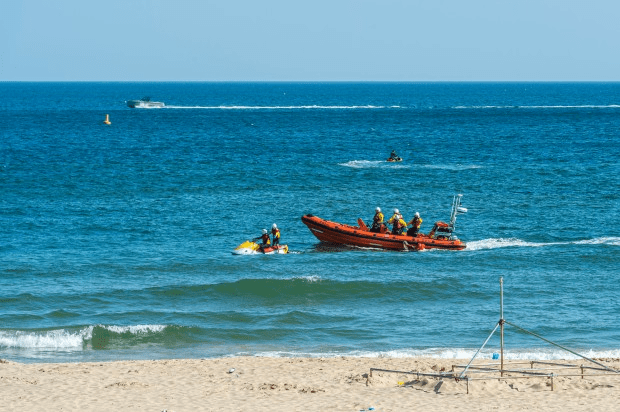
[303, 107]
[514, 242]
[512, 354]
[369, 164]
[51, 339]
[134, 329]
[309, 278]
[449, 353]
[70, 339]
[286, 291]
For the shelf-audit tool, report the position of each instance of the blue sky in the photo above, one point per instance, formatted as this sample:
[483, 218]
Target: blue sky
[288, 40]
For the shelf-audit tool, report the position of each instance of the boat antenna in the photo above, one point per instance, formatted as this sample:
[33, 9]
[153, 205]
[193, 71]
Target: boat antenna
[456, 209]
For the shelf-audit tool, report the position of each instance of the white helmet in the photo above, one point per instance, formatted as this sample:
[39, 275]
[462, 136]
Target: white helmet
[274, 226]
[378, 209]
[417, 214]
[264, 231]
[396, 211]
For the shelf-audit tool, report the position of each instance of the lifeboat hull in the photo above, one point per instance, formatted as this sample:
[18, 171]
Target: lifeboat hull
[338, 233]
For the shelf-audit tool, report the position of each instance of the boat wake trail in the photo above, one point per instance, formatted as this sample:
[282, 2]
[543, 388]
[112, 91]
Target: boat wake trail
[513, 242]
[369, 164]
[585, 106]
[308, 107]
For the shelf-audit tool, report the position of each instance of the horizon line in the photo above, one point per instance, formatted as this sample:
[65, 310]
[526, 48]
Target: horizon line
[309, 81]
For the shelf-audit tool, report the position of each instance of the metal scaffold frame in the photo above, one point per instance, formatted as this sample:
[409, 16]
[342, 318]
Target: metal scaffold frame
[549, 370]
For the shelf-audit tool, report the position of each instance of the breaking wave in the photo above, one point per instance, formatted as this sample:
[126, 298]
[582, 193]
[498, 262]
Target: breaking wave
[52, 339]
[452, 353]
[70, 339]
[309, 278]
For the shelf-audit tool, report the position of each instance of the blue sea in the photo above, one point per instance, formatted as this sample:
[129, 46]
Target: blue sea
[116, 240]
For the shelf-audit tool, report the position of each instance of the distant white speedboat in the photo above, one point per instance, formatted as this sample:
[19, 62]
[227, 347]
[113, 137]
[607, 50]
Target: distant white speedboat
[144, 103]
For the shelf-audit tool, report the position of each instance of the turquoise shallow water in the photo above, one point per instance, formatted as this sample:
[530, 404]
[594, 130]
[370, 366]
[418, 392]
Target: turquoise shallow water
[117, 240]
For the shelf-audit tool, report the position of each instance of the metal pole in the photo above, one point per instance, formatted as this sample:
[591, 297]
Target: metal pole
[501, 322]
[476, 354]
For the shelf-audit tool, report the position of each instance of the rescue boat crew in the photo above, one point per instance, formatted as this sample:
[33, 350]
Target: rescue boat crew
[397, 222]
[396, 215]
[415, 223]
[377, 220]
[275, 233]
[264, 238]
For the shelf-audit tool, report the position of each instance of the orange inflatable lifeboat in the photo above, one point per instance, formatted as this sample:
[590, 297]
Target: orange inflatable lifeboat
[440, 237]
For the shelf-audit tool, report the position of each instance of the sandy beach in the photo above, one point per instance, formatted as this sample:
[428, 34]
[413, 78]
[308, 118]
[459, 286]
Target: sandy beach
[295, 384]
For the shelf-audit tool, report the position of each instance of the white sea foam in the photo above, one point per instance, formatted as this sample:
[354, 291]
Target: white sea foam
[369, 164]
[584, 106]
[485, 244]
[52, 339]
[65, 339]
[450, 353]
[501, 243]
[135, 329]
[360, 164]
[306, 107]
[613, 241]
[309, 279]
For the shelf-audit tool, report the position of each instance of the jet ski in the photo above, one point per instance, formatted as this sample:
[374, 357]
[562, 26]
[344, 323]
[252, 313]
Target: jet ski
[394, 157]
[252, 248]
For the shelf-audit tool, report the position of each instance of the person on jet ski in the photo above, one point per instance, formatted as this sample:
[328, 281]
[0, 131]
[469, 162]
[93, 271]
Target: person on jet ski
[397, 222]
[393, 155]
[275, 233]
[264, 238]
[377, 220]
[415, 223]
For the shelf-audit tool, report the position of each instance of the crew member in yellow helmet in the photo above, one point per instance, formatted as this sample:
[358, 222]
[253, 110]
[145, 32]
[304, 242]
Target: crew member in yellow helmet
[275, 233]
[397, 222]
[264, 238]
[415, 223]
[377, 220]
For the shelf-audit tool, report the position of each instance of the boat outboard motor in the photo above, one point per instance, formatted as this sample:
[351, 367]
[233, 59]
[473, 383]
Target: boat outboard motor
[441, 230]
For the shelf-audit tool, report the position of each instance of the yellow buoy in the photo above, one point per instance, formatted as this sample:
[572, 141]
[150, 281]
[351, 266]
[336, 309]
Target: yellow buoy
[107, 119]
